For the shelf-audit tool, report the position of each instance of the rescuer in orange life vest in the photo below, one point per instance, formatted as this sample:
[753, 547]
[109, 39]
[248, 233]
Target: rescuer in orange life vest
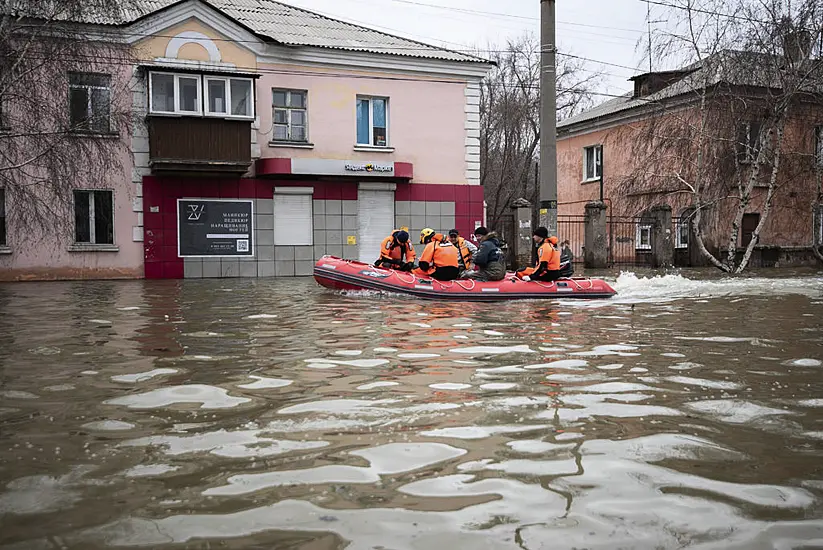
[439, 259]
[548, 259]
[396, 252]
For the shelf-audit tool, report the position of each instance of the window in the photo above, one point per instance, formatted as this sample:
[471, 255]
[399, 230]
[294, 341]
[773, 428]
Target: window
[229, 97]
[592, 162]
[183, 94]
[293, 222]
[93, 217]
[373, 121]
[750, 140]
[89, 102]
[682, 233]
[819, 225]
[2, 217]
[173, 93]
[644, 237]
[290, 115]
[818, 145]
[750, 223]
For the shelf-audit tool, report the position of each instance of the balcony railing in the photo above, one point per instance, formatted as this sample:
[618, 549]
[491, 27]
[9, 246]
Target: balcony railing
[199, 145]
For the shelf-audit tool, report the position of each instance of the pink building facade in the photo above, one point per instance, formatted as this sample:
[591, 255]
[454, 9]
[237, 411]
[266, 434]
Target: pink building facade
[257, 152]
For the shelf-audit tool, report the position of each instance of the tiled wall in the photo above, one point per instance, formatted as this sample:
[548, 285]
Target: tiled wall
[335, 207]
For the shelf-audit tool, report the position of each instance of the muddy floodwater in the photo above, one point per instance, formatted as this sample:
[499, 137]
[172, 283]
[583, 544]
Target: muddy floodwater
[274, 414]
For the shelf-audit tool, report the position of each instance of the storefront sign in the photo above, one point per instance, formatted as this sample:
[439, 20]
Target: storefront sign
[370, 167]
[210, 228]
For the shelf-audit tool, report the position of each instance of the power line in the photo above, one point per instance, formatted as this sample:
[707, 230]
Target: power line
[704, 11]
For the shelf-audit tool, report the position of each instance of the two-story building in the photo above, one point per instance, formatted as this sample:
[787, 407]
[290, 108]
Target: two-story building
[643, 149]
[267, 136]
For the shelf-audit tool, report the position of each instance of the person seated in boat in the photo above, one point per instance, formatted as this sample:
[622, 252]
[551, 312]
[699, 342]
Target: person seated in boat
[548, 259]
[465, 248]
[439, 259]
[396, 252]
[566, 258]
[489, 262]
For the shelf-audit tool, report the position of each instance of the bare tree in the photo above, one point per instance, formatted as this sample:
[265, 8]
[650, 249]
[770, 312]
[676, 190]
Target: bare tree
[65, 108]
[510, 120]
[723, 136]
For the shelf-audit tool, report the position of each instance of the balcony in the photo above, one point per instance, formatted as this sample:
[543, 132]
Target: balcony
[201, 146]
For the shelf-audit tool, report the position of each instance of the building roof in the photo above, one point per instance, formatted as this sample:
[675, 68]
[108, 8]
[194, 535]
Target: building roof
[293, 26]
[735, 68]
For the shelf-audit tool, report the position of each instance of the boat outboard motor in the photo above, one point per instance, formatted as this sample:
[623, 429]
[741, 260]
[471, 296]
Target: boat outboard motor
[566, 267]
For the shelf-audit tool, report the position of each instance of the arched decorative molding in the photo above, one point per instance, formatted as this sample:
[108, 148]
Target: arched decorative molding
[193, 37]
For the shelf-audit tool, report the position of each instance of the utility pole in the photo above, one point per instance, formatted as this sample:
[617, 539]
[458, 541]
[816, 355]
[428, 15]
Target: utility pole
[548, 117]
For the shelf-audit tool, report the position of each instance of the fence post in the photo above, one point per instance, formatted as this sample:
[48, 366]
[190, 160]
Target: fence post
[596, 251]
[523, 244]
[662, 243]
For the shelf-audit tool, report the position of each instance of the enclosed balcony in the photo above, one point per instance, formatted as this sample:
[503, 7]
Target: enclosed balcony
[199, 145]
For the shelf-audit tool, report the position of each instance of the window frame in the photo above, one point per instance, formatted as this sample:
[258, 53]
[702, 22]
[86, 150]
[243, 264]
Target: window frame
[751, 150]
[682, 229]
[4, 235]
[92, 242]
[289, 110]
[89, 103]
[598, 166]
[819, 232]
[818, 146]
[370, 99]
[641, 228]
[226, 80]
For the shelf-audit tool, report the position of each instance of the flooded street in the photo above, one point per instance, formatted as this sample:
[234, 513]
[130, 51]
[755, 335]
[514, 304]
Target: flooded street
[276, 414]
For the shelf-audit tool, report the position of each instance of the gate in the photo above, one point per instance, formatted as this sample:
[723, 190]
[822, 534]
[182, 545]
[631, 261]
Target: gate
[507, 231]
[630, 241]
[573, 229]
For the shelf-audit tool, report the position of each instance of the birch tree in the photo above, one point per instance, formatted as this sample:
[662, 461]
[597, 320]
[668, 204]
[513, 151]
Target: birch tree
[727, 136]
[65, 107]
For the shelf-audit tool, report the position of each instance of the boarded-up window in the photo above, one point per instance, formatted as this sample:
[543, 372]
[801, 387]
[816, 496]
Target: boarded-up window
[750, 222]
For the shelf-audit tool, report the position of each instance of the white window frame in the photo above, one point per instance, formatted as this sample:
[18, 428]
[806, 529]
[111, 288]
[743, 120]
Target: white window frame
[370, 99]
[289, 110]
[750, 153]
[681, 229]
[286, 240]
[226, 80]
[818, 146]
[89, 107]
[176, 92]
[598, 168]
[92, 227]
[819, 225]
[641, 228]
[4, 242]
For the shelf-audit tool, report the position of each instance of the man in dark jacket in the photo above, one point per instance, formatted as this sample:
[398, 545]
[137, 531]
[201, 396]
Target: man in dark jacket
[489, 261]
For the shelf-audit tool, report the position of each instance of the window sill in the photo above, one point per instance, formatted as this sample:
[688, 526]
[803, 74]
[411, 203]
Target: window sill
[591, 180]
[4, 250]
[292, 144]
[373, 149]
[88, 247]
[95, 135]
[644, 249]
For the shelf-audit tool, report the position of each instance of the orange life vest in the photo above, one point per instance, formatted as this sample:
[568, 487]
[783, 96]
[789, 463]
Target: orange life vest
[390, 249]
[465, 253]
[547, 253]
[440, 253]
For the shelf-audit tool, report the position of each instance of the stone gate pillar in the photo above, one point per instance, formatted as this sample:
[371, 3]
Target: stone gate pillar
[523, 244]
[596, 249]
[662, 242]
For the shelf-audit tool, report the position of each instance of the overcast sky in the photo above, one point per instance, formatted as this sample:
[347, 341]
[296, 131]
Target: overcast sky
[604, 30]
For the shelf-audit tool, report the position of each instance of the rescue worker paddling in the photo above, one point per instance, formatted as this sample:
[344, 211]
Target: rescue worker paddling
[548, 259]
[396, 252]
[439, 259]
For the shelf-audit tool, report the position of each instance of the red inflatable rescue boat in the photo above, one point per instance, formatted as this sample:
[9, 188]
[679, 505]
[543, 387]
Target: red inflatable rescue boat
[339, 274]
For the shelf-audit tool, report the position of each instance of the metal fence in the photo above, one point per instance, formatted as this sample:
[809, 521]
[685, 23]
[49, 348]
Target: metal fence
[573, 229]
[630, 240]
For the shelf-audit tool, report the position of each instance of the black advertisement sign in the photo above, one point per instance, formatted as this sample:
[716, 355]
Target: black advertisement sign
[214, 227]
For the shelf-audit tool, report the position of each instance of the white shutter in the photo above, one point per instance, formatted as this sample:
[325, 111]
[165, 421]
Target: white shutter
[293, 220]
[375, 221]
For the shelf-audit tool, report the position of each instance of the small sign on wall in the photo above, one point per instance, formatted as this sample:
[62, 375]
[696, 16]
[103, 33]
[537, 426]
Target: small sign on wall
[351, 239]
[213, 228]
